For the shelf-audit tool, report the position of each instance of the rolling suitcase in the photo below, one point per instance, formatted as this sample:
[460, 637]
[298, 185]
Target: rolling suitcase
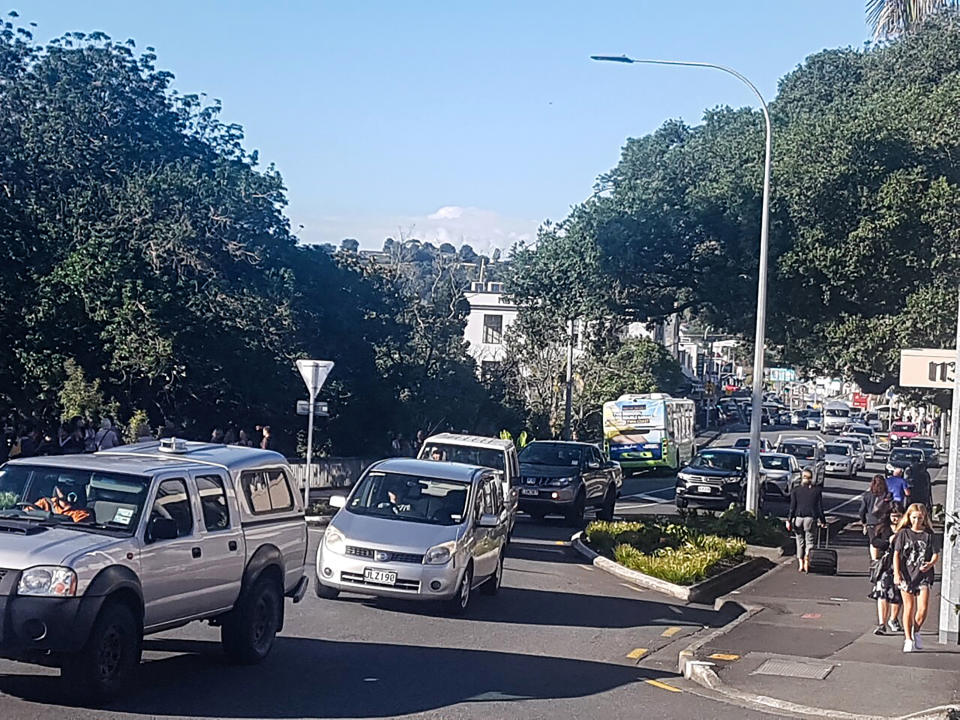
[823, 560]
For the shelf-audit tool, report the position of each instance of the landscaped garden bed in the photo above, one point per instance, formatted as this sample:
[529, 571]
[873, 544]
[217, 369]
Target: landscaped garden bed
[684, 550]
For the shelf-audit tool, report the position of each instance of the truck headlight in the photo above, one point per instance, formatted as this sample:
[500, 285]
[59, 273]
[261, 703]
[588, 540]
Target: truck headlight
[440, 554]
[48, 581]
[334, 541]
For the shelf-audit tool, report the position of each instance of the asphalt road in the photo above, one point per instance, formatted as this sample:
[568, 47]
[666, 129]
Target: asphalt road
[654, 494]
[561, 640]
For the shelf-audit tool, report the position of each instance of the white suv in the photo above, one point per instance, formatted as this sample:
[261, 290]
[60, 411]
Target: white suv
[98, 550]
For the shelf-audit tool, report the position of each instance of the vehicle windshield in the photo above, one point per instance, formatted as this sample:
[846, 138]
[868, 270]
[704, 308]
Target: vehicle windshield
[815, 414]
[903, 427]
[906, 455]
[410, 498]
[742, 443]
[775, 462]
[837, 412]
[852, 442]
[83, 499]
[485, 457]
[922, 443]
[551, 454]
[838, 449]
[719, 460]
[862, 429]
[798, 450]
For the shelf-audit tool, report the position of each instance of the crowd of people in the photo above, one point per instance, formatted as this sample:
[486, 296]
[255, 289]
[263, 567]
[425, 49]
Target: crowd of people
[904, 549]
[29, 437]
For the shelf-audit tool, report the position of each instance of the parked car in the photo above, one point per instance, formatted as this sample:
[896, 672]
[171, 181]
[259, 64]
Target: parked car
[808, 452]
[900, 432]
[501, 455]
[715, 477]
[744, 444]
[859, 454]
[567, 477]
[866, 443]
[904, 457]
[418, 530]
[99, 550]
[814, 420]
[839, 459]
[781, 473]
[931, 451]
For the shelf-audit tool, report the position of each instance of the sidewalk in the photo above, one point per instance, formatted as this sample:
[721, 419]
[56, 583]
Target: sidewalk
[816, 625]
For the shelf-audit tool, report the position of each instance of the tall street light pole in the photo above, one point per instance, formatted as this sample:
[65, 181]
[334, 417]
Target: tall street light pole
[753, 477]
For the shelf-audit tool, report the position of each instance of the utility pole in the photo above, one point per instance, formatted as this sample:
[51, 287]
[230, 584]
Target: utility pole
[950, 579]
[568, 387]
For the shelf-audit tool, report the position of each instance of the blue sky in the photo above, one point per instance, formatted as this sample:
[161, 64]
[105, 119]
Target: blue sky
[452, 120]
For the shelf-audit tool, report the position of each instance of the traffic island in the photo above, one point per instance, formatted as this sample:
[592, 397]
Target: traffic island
[670, 558]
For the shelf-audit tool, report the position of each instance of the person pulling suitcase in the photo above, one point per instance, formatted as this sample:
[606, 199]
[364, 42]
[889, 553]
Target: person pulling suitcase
[806, 512]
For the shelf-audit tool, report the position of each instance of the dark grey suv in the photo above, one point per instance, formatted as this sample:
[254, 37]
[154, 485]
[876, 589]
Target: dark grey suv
[567, 477]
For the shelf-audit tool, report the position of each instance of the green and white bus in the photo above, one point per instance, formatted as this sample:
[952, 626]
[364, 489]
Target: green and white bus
[649, 431]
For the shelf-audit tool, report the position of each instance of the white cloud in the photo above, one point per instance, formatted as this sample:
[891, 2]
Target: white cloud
[484, 230]
[448, 212]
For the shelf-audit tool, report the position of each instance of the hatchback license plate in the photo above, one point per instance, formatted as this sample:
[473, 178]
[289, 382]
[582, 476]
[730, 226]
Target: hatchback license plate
[526, 491]
[704, 489]
[381, 577]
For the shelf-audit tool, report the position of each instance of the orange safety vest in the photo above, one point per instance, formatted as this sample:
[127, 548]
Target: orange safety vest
[62, 508]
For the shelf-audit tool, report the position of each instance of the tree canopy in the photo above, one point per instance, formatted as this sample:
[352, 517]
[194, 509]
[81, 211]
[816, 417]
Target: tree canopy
[143, 247]
[865, 221]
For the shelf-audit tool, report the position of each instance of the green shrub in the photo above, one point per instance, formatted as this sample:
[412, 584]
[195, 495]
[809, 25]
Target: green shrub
[668, 551]
[764, 530]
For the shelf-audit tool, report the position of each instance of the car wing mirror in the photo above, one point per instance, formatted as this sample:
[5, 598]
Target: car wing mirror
[593, 465]
[338, 501]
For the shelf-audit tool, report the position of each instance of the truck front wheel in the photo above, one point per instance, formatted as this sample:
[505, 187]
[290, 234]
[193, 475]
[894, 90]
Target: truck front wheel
[108, 660]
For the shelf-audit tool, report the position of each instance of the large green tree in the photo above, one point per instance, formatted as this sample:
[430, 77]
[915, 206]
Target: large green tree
[143, 247]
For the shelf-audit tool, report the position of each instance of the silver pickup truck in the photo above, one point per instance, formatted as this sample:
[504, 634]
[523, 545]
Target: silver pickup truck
[98, 550]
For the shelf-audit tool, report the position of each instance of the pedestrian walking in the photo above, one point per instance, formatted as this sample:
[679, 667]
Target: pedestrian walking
[875, 507]
[106, 437]
[885, 590]
[806, 512]
[898, 488]
[915, 553]
[216, 436]
[243, 440]
[918, 479]
[267, 442]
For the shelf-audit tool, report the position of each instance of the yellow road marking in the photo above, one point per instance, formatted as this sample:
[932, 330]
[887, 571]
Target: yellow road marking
[637, 653]
[724, 656]
[671, 631]
[662, 686]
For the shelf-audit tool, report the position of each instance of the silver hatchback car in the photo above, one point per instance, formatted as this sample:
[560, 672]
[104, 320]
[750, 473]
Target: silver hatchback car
[419, 530]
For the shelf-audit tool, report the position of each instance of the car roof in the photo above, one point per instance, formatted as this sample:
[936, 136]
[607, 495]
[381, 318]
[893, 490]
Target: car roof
[470, 440]
[147, 458]
[775, 455]
[572, 443]
[431, 468]
[728, 450]
[923, 437]
[799, 441]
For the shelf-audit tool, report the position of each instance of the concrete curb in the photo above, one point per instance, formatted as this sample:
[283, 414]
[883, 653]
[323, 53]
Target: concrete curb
[703, 674]
[698, 592]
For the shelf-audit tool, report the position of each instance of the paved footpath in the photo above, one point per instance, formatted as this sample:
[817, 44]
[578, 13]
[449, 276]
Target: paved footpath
[820, 624]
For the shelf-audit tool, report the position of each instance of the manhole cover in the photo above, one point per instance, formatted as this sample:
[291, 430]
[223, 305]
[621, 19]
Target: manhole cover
[792, 668]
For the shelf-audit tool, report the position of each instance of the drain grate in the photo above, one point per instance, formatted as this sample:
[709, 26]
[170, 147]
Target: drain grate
[792, 668]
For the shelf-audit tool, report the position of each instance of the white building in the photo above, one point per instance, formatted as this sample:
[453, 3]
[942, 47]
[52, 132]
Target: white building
[490, 316]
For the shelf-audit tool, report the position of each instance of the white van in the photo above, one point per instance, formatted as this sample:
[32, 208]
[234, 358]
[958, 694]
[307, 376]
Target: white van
[836, 415]
[501, 455]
